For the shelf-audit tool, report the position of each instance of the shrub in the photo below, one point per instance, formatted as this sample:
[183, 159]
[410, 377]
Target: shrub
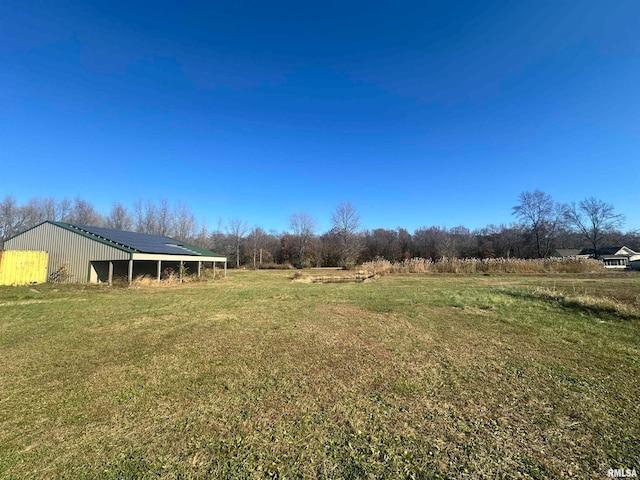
[210, 274]
[61, 275]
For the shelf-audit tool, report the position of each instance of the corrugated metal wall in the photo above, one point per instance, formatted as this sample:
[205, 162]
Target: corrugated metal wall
[19, 267]
[67, 251]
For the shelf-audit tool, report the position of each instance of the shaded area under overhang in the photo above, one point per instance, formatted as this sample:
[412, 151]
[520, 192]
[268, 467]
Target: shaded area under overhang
[152, 265]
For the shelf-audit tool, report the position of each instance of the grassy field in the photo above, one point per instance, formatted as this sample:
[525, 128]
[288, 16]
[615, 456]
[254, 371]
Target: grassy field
[259, 376]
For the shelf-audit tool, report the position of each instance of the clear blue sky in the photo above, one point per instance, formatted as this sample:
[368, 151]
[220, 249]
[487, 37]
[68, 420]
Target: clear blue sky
[419, 113]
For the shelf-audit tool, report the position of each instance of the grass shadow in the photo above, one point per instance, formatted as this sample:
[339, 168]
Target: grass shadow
[591, 305]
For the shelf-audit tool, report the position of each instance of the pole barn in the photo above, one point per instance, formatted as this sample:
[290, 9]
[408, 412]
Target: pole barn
[87, 254]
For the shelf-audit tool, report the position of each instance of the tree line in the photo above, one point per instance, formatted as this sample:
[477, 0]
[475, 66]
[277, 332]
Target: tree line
[541, 227]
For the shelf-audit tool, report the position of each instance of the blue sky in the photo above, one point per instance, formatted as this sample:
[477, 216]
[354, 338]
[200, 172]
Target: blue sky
[418, 113]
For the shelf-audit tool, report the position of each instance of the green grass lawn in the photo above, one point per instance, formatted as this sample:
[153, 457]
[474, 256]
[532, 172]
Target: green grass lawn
[259, 376]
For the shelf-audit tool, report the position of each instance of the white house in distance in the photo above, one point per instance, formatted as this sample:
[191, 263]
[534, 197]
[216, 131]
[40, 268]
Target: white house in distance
[614, 257]
[90, 254]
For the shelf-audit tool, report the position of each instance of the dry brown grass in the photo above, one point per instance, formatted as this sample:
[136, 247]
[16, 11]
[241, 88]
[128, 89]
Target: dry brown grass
[147, 281]
[452, 376]
[381, 266]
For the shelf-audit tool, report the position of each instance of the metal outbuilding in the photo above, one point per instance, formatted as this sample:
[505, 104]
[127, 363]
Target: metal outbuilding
[87, 254]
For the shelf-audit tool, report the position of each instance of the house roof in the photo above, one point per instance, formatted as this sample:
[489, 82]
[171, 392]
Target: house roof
[621, 251]
[138, 242]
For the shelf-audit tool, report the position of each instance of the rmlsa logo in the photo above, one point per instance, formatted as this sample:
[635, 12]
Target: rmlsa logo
[621, 473]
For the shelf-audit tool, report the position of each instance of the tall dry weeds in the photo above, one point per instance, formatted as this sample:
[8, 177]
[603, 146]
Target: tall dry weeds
[381, 266]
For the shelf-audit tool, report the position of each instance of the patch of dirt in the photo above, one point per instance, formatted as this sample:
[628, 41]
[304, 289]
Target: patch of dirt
[355, 278]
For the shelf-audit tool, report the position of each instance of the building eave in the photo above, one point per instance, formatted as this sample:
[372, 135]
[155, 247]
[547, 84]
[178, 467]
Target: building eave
[176, 258]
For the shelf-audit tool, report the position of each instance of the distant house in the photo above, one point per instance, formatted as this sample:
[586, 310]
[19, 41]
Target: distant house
[87, 254]
[614, 257]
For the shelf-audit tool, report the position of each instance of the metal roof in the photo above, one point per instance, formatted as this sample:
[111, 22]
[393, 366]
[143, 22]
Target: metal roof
[601, 251]
[138, 242]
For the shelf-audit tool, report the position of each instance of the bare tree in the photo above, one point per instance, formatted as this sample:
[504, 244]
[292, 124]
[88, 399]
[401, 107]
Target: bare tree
[32, 213]
[201, 235]
[38, 210]
[257, 238]
[464, 242]
[63, 210]
[593, 219]
[183, 222]
[383, 243]
[119, 218]
[237, 229]
[433, 243]
[405, 239]
[218, 241]
[304, 227]
[345, 223]
[84, 213]
[145, 216]
[500, 241]
[163, 218]
[151, 218]
[539, 212]
[11, 218]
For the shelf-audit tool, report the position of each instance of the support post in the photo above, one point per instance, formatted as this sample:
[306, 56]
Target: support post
[159, 269]
[130, 271]
[110, 272]
[199, 268]
[225, 269]
[181, 269]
